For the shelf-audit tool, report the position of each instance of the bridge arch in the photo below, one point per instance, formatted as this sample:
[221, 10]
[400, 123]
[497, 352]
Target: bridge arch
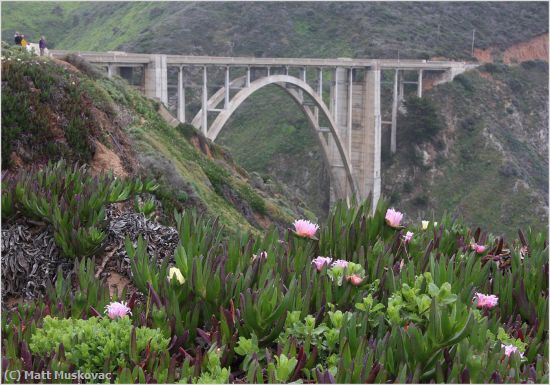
[284, 81]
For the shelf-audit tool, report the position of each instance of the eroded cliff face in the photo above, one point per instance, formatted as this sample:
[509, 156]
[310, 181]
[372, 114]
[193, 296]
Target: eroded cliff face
[532, 49]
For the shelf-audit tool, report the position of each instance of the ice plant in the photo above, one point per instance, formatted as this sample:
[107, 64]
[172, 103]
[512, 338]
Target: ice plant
[262, 255]
[486, 301]
[117, 310]
[393, 218]
[407, 238]
[509, 349]
[319, 262]
[355, 279]
[478, 248]
[340, 263]
[304, 228]
[174, 271]
[426, 223]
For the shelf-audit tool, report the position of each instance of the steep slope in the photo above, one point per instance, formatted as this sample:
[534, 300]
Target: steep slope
[287, 150]
[52, 109]
[490, 159]
[279, 29]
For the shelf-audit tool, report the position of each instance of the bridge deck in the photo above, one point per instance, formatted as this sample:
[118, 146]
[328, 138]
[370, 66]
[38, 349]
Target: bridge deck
[133, 59]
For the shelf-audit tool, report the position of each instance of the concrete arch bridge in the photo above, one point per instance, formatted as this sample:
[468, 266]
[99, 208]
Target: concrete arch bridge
[340, 98]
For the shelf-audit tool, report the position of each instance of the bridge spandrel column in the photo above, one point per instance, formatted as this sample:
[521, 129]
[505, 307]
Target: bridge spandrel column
[181, 96]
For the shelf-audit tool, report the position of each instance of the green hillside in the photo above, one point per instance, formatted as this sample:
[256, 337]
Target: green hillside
[490, 159]
[53, 110]
[287, 150]
[328, 29]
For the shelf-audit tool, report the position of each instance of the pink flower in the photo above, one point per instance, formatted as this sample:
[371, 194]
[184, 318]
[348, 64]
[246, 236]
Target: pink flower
[340, 263]
[478, 248]
[407, 238]
[354, 279]
[319, 262]
[393, 218]
[486, 301]
[117, 310]
[305, 228]
[509, 349]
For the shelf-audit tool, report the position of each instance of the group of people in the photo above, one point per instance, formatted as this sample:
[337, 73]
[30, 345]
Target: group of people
[20, 40]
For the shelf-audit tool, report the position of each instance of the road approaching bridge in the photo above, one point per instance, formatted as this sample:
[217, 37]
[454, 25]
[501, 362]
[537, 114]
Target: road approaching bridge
[347, 118]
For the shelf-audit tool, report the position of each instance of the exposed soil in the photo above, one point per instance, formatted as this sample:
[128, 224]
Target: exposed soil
[484, 55]
[201, 145]
[532, 49]
[66, 65]
[117, 283]
[105, 159]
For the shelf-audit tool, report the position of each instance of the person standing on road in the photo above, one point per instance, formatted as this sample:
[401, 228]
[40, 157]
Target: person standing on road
[17, 38]
[23, 42]
[42, 45]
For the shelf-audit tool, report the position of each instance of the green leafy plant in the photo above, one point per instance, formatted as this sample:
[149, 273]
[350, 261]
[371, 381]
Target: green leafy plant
[72, 201]
[96, 343]
[411, 304]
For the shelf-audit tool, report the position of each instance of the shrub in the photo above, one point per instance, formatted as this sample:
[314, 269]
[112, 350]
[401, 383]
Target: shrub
[96, 344]
[493, 68]
[256, 201]
[465, 82]
[420, 200]
[35, 91]
[421, 122]
[539, 65]
[84, 66]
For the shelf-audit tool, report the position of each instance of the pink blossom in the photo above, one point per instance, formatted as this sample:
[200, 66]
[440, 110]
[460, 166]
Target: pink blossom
[319, 262]
[486, 301]
[117, 310]
[340, 263]
[305, 228]
[509, 349]
[355, 279]
[393, 218]
[478, 248]
[407, 238]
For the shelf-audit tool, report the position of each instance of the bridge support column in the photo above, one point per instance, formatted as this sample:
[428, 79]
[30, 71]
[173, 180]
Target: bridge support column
[395, 101]
[156, 78]
[319, 91]
[112, 70]
[401, 87]
[204, 123]
[370, 181]
[419, 89]
[181, 96]
[303, 77]
[226, 97]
